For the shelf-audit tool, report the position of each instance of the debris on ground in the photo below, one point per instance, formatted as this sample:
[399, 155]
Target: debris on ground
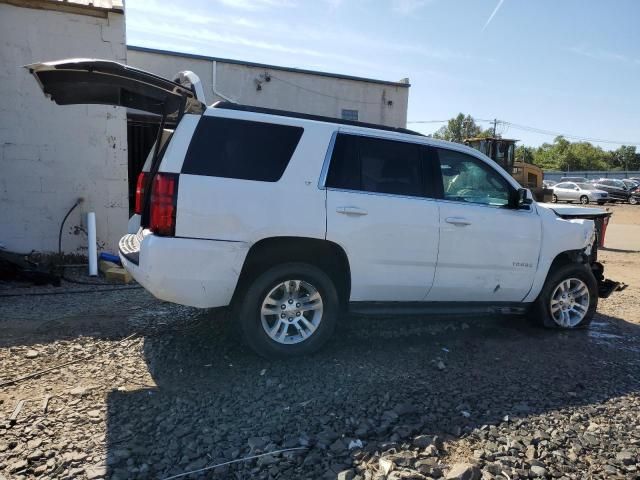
[513, 401]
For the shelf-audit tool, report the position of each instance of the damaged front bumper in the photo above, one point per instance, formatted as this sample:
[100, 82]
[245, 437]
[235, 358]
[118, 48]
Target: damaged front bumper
[606, 286]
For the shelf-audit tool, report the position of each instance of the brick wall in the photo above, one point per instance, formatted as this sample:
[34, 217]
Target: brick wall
[50, 155]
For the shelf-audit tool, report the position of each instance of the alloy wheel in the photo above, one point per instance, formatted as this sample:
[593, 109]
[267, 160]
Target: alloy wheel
[291, 312]
[569, 302]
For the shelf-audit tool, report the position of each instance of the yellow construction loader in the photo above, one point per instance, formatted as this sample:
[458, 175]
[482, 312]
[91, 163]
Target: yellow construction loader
[502, 151]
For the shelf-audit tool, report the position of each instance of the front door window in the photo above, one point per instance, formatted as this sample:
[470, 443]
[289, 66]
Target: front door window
[468, 179]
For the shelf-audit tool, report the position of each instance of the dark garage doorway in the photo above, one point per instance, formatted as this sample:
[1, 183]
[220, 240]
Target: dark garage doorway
[141, 134]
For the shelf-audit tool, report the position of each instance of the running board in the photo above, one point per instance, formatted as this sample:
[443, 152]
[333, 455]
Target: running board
[436, 308]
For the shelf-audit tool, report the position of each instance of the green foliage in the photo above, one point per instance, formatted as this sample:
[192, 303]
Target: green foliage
[566, 156]
[560, 155]
[625, 158]
[459, 128]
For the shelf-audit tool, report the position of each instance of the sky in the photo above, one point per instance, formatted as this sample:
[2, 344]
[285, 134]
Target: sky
[562, 66]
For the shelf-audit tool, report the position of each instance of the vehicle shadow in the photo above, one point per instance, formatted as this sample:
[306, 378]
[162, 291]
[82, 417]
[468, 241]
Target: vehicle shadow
[380, 380]
[61, 314]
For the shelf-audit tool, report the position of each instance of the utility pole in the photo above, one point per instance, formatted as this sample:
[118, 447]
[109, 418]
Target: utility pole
[495, 123]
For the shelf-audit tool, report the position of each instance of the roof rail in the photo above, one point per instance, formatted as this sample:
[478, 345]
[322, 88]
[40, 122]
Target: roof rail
[306, 116]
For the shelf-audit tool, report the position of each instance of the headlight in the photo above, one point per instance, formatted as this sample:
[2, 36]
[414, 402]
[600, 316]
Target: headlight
[590, 239]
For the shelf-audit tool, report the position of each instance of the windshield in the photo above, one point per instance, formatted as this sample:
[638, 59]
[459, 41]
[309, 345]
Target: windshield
[586, 186]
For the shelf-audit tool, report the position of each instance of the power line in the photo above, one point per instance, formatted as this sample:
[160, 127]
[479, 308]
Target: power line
[322, 94]
[429, 121]
[541, 131]
[445, 121]
[567, 135]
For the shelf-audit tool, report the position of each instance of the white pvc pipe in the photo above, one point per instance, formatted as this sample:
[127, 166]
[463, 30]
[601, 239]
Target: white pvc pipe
[214, 83]
[93, 251]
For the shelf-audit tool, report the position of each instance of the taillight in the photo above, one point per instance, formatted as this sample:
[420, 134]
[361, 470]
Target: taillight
[142, 181]
[603, 231]
[162, 211]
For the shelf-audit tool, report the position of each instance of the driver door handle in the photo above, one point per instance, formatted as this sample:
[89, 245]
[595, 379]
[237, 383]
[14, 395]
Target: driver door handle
[458, 221]
[351, 211]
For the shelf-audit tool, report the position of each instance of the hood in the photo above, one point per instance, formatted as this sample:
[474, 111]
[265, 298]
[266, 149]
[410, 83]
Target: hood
[575, 211]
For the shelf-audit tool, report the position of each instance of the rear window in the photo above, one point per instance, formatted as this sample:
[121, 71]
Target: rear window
[229, 148]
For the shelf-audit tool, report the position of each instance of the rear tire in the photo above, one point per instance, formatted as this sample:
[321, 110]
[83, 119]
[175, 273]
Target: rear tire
[633, 200]
[552, 310]
[554, 198]
[307, 320]
[584, 200]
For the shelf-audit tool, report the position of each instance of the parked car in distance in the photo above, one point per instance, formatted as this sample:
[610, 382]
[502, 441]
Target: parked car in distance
[548, 183]
[632, 185]
[574, 179]
[584, 193]
[616, 189]
[289, 219]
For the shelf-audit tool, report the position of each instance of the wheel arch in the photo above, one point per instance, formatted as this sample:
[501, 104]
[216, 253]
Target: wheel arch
[562, 258]
[566, 258]
[324, 254]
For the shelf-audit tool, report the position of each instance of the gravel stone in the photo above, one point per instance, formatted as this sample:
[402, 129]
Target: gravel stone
[16, 466]
[538, 471]
[463, 471]
[346, 474]
[626, 457]
[95, 472]
[184, 392]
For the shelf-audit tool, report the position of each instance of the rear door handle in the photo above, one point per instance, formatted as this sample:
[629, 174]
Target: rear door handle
[351, 211]
[458, 221]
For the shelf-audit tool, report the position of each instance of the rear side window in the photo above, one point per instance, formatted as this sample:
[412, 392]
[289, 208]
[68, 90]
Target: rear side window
[229, 148]
[376, 165]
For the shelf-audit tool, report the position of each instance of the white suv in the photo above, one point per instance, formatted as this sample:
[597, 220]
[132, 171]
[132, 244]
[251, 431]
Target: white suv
[291, 218]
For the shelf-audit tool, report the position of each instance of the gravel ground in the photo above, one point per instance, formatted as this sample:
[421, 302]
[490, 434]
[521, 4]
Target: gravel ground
[156, 390]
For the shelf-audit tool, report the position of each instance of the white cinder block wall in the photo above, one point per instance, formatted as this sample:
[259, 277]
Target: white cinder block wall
[49, 154]
[287, 90]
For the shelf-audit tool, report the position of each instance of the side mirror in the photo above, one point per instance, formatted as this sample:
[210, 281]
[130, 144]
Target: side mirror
[521, 198]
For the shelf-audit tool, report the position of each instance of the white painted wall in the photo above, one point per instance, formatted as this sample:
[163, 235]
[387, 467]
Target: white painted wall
[50, 155]
[299, 92]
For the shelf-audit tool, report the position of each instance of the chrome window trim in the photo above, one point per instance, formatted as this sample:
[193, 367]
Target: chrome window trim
[394, 195]
[526, 208]
[431, 199]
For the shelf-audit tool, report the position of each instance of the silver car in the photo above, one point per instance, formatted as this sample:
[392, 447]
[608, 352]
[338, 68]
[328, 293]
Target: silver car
[579, 192]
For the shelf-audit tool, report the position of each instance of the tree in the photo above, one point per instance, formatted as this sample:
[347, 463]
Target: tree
[459, 128]
[566, 156]
[525, 154]
[625, 158]
[560, 155]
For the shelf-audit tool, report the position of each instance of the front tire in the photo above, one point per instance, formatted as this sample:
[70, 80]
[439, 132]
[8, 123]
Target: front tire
[289, 310]
[554, 198]
[568, 299]
[584, 200]
[633, 200]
